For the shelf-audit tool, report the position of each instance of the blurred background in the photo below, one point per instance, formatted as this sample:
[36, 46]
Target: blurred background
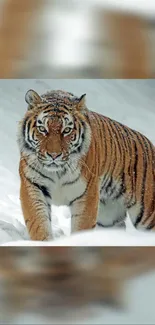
[60, 285]
[77, 39]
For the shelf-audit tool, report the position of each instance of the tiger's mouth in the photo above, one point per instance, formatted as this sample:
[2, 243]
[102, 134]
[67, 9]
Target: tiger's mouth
[52, 165]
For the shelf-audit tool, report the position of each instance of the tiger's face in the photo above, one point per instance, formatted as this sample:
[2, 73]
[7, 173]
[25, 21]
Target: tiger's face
[54, 128]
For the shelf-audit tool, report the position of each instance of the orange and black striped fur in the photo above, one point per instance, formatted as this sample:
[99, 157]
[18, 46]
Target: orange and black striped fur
[72, 156]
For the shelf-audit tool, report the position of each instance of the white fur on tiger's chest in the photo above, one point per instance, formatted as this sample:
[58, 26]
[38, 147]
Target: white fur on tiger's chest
[67, 188]
[63, 189]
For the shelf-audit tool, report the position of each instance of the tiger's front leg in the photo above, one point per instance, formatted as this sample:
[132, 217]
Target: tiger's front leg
[84, 210]
[36, 210]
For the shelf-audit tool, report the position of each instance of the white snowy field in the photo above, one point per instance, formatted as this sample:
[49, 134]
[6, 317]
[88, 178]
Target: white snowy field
[128, 101]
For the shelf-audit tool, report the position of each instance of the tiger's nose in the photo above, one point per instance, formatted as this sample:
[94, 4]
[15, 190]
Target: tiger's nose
[54, 155]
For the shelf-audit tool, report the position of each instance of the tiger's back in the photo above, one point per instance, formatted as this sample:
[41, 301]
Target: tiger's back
[126, 163]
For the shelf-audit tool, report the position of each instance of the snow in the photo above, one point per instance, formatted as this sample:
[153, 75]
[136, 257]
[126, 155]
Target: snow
[96, 237]
[146, 8]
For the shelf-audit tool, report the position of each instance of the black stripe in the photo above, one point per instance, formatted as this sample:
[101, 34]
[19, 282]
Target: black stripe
[100, 126]
[79, 197]
[110, 182]
[153, 168]
[75, 126]
[116, 137]
[122, 189]
[105, 143]
[39, 201]
[72, 182]
[111, 142]
[46, 110]
[45, 192]
[43, 189]
[148, 145]
[122, 161]
[151, 225]
[126, 137]
[49, 210]
[100, 225]
[24, 126]
[28, 131]
[122, 174]
[34, 124]
[75, 215]
[79, 132]
[34, 140]
[129, 137]
[37, 171]
[61, 173]
[53, 109]
[108, 185]
[30, 141]
[121, 129]
[133, 170]
[114, 188]
[33, 132]
[26, 145]
[69, 123]
[136, 162]
[60, 110]
[67, 108]
[144, 172]
[83, 137]
[106, 178]
[79, 146]
[32, 225]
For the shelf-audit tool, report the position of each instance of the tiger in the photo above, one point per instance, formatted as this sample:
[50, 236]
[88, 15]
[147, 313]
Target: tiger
[73, 156]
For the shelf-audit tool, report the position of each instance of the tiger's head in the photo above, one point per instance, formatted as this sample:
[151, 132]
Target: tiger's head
[54, 129]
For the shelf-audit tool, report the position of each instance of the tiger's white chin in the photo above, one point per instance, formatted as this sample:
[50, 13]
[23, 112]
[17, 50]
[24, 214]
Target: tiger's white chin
[53, 167]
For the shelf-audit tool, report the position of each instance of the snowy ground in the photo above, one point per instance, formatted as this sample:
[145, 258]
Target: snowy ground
[128, 101]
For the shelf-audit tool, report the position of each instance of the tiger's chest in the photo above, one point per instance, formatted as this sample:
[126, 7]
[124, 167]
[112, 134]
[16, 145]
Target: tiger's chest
[63, 188]
[67, 188]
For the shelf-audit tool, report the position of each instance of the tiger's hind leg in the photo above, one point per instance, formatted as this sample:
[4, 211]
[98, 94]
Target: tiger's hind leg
[141, 221]
[111, 214]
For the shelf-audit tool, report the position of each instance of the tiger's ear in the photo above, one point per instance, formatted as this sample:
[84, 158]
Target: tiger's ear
[82, 103]
[32, 98]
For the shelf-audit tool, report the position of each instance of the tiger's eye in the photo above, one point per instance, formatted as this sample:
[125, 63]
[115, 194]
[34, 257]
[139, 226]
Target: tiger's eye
[42, 129]
[67, 130]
